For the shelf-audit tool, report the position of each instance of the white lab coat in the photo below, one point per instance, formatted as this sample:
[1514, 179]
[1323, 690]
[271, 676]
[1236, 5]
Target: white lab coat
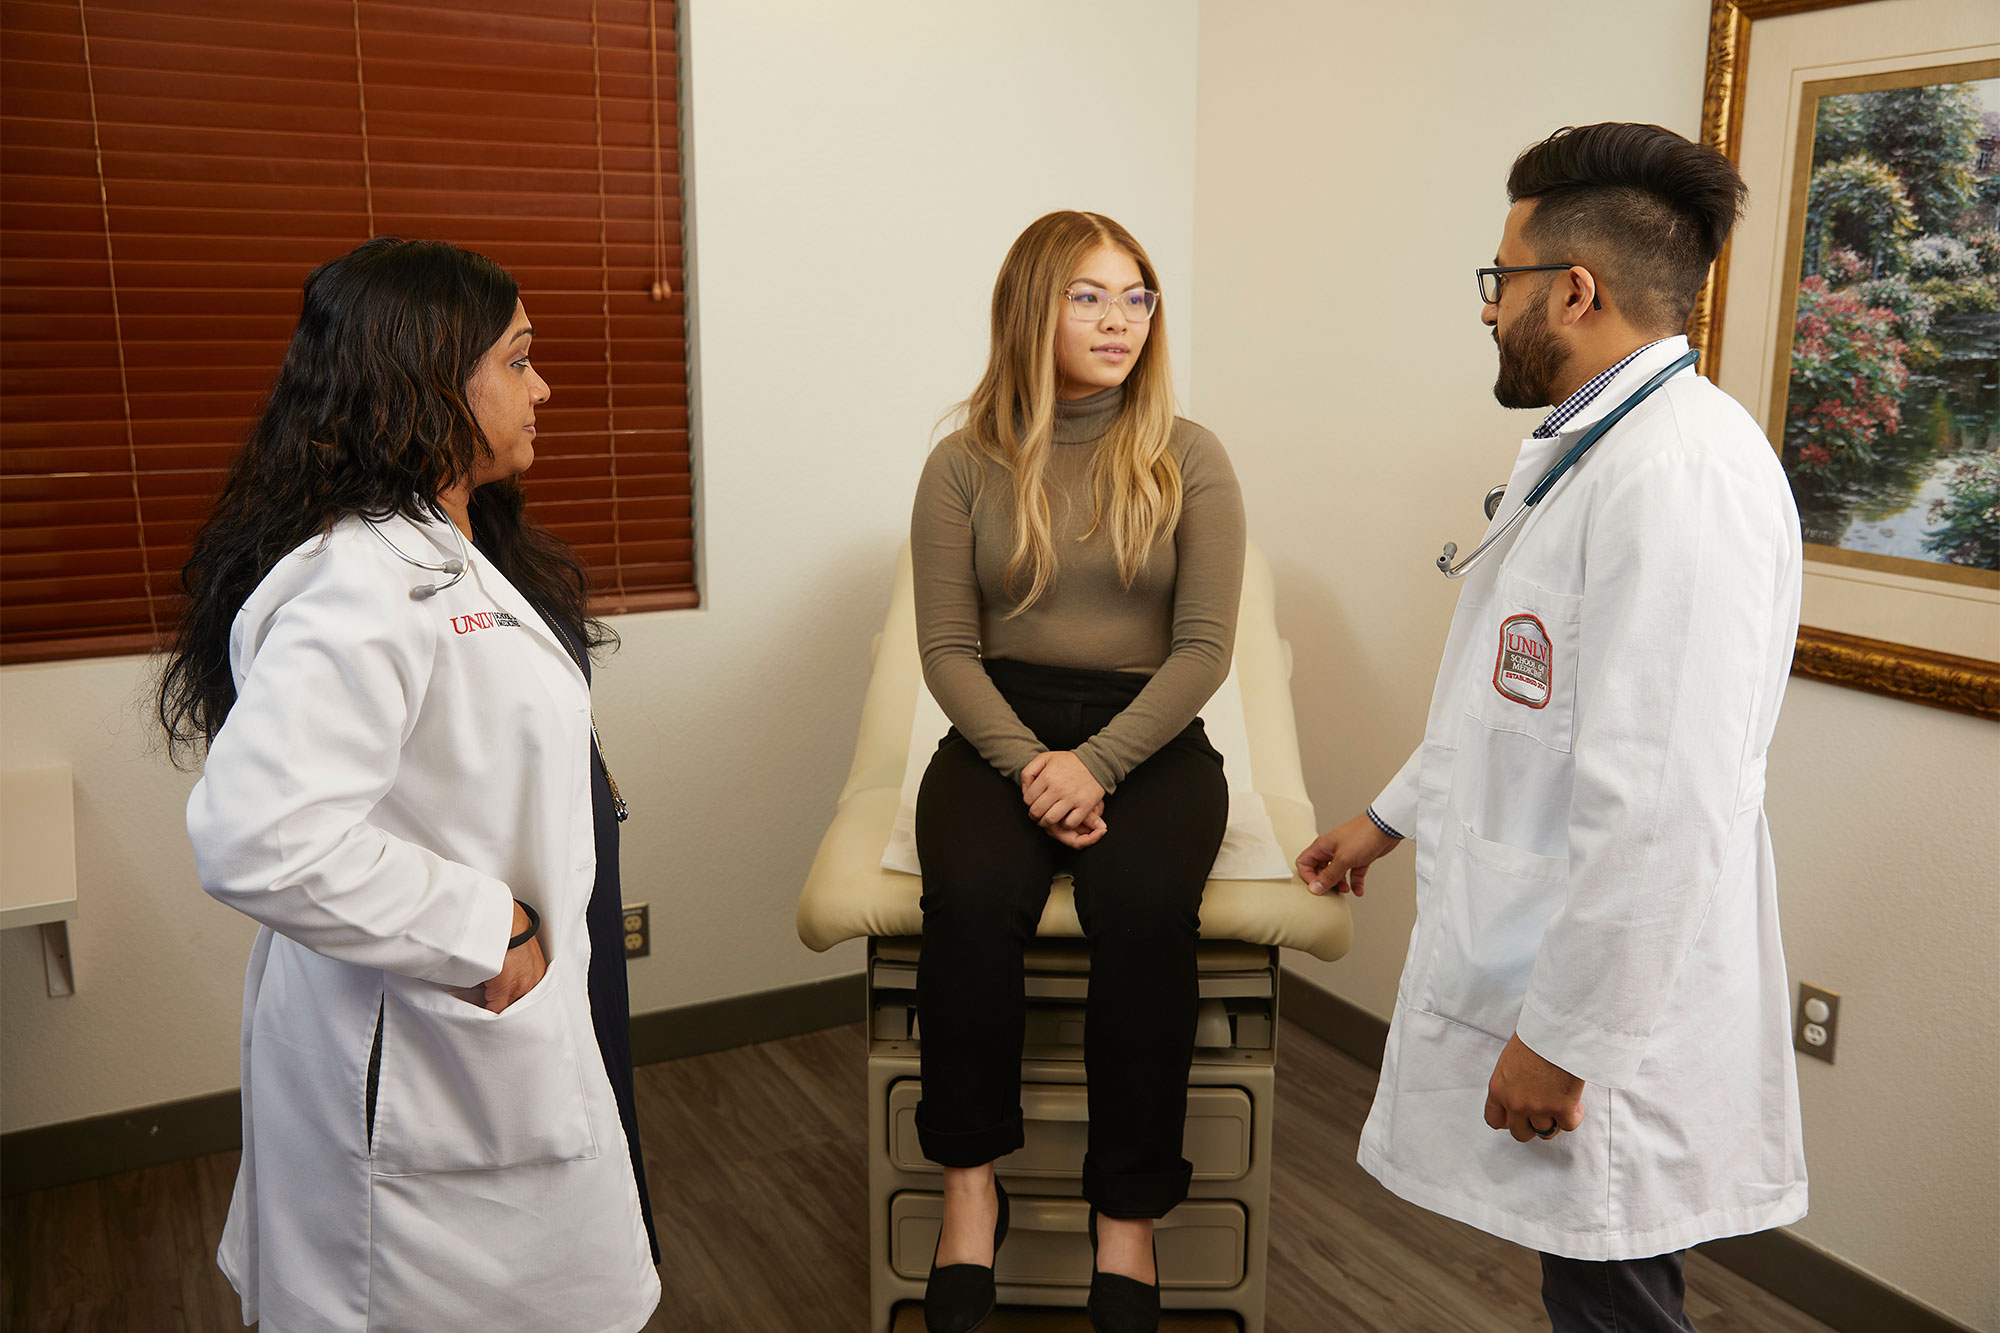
[1594, 868]
[393, 774]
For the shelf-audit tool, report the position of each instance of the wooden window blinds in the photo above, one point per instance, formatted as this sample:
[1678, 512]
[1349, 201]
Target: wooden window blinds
[170, 171]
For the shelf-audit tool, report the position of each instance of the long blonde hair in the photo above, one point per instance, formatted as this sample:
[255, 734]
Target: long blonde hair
[1010, 417]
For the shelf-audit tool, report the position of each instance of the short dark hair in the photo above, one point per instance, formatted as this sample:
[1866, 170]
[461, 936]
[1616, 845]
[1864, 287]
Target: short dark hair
[1640, 202]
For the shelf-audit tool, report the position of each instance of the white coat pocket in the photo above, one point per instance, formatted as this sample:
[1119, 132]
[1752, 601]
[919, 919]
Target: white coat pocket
[464, 1089]
[1532, 636]
[1495, 904]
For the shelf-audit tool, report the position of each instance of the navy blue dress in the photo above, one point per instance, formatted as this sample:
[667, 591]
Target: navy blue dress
[610, 995]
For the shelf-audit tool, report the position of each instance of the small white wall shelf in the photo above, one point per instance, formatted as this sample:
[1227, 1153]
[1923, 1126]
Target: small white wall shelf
[38, 863]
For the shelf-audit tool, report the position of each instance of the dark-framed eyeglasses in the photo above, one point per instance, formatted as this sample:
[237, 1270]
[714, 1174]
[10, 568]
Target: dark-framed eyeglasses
[1489, 280]
[1091, 304]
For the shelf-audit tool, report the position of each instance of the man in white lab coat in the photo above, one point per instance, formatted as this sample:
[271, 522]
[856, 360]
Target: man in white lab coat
[1590, 1052]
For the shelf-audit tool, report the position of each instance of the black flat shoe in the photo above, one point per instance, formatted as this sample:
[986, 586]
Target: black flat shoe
[959, 1298]
[1120, 1304]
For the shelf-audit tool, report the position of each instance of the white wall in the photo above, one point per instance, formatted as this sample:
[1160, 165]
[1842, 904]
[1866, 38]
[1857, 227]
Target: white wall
[858, 172]
[1351, 172]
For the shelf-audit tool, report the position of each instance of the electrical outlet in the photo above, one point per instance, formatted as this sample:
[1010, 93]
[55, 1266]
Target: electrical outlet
[1817, 1022]
[638, 930]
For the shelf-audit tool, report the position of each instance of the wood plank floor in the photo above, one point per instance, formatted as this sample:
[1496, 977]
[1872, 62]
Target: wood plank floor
[756, 1162]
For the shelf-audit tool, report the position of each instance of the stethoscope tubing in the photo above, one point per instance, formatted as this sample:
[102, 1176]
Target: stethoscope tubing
[456, 569]
[1464, 567]
[1562, 467]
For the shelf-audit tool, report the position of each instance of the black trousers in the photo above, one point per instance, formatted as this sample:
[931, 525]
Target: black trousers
[987, 867]
[1620, 1296]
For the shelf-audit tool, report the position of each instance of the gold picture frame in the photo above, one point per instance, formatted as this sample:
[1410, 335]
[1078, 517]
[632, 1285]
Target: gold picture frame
[1919, 675]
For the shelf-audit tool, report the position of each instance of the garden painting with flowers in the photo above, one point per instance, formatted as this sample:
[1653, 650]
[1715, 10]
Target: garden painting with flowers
[1891, 411]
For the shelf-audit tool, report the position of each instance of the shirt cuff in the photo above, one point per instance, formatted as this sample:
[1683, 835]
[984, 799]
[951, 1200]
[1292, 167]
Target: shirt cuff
[1376, 820]
[1099, 767]
[1584, 1050]
[1396, 806]
[482, 951]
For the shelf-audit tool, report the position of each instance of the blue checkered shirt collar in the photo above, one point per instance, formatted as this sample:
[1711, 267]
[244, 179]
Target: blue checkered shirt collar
[1553, 423]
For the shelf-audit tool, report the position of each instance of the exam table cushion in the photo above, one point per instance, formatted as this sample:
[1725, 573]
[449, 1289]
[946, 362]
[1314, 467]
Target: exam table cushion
[850, 894]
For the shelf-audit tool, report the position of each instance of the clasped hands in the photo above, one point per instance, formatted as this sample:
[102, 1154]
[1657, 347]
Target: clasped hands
[1064, 798]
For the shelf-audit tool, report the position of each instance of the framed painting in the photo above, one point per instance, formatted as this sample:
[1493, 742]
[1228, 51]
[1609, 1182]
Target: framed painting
[1857, 312]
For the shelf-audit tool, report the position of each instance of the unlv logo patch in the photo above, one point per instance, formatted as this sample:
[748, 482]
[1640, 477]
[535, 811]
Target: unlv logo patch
[480, 620]
[1526, 664]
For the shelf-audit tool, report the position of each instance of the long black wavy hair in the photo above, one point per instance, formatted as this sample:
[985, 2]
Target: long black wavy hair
[368, 416]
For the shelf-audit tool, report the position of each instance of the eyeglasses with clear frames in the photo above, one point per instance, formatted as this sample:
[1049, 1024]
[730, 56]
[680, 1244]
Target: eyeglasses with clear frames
[1091, 304]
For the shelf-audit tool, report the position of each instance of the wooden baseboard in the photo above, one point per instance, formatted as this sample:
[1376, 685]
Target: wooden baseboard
[105, 1145]
[744, 1020]
[1341, 1024]
[1826, 1287]
[1796, 1271]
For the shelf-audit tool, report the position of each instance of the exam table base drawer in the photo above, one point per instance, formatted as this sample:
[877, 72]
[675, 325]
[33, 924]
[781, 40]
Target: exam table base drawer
[1235, 1009]
[1202, 1243]
[1057, 1123]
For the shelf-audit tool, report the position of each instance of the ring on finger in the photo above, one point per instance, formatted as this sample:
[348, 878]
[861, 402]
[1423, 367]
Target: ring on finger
[1541, 1133]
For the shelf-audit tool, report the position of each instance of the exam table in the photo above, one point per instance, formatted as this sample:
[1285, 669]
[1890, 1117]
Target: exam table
[1213, 1247]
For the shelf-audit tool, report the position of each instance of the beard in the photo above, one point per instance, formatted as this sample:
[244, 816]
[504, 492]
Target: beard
[1531, 359]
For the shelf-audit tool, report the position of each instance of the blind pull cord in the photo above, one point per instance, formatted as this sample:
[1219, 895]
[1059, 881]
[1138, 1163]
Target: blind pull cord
[661, 288]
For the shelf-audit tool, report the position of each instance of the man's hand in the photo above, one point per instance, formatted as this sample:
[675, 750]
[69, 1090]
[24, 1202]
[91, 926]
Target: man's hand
[1338, 859]
[1059, 790]
[1527, 1095]
[520, 971]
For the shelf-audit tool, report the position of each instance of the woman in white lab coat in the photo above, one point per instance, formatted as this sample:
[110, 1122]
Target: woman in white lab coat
[383, 659]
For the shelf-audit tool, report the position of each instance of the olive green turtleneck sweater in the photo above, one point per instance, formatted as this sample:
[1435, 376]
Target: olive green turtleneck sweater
[1176, 623]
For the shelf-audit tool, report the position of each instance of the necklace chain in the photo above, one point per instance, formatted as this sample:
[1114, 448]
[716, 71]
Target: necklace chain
[618, 806]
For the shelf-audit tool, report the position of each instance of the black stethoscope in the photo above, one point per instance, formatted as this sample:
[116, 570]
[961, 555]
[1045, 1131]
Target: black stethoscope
[1555, 474]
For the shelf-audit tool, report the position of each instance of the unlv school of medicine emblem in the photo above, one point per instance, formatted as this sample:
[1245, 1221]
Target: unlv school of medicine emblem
[1526, 666]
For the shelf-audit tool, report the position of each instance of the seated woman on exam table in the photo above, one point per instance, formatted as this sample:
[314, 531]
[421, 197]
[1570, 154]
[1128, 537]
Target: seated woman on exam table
[1078, 557]
[388, 665]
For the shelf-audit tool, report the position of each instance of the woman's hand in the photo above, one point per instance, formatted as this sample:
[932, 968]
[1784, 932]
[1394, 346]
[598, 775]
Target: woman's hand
[1060, 791]
[1092, 828]
[520, 971]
